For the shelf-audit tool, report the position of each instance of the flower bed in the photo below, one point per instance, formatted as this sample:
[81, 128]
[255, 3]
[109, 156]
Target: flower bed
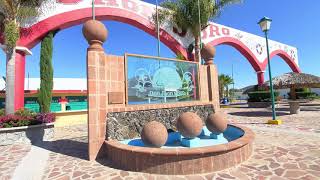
[26, 127]
[25, 118]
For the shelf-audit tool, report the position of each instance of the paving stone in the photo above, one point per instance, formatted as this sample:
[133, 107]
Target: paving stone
[124, 173]
[315, 167]
[294, 173]
[227, 176]
[286, 151]
[195, 177]
[274, 165]
[279, 171]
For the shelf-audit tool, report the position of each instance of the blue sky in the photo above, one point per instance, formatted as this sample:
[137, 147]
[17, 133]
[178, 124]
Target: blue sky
[294, 22]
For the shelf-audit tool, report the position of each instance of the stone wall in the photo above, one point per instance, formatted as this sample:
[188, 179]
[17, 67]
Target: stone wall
[127, 125]
[26, 134]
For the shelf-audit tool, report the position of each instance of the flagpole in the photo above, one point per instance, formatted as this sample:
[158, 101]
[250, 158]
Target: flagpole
[200, 59]
[93, 11]
[158, 28]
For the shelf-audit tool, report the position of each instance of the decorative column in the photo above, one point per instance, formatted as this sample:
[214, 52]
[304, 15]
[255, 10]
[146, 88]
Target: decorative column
[20, 62]
[96, 33]
[260, 76]
[208, 53]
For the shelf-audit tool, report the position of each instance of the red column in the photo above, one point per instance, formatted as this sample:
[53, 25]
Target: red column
[20, 62]
[260, 75]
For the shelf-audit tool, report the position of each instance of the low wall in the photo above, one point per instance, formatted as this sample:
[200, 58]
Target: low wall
[26, 134]
[128, 125]
[70, 118]
[181, 161]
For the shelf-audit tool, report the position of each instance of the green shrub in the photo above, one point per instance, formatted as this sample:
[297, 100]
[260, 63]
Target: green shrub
[304, 95]
[261, 96]
[303, 90]
[2, 112]
[25, 113]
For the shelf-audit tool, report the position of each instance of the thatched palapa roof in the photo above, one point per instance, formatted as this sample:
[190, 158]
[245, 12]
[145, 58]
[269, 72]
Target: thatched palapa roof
[296, 80]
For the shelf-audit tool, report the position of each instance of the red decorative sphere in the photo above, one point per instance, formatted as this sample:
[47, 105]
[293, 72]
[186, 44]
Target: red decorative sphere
[189, 125]
[217, 123]
[95, 30]
[154, 134]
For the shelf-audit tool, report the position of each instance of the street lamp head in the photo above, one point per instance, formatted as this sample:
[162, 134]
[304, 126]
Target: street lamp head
[265, 24]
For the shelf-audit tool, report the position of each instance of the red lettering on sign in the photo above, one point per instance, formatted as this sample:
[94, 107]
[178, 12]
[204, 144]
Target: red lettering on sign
[204, 34]
[130, 5]
[225, 31]
[214, 29]
[111, 3]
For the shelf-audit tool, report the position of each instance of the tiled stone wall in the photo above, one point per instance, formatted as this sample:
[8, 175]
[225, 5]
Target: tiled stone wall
[26, 135]
[127, 125]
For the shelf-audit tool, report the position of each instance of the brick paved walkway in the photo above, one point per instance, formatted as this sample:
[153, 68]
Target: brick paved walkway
[288, 151]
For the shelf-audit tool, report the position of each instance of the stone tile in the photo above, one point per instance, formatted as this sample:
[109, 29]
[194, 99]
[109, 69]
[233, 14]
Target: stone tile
[280, 152]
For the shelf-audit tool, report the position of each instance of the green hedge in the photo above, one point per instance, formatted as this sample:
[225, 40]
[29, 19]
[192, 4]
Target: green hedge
[261, 96]
[304, 95]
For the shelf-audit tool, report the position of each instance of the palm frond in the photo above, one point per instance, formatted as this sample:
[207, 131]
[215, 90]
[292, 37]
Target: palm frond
[219, 5]
[26, 12]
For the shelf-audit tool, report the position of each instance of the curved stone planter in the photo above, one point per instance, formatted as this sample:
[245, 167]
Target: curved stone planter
[179, 161]
[294, 107]
[26, 134]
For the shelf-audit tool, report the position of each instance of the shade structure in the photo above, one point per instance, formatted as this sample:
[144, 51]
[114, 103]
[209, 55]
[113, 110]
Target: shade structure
[296, 80]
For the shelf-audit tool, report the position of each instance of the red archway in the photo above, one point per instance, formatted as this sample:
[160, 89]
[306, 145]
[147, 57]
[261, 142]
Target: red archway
[285, 56]
[243, 49]
[33, 35]
[258, 66]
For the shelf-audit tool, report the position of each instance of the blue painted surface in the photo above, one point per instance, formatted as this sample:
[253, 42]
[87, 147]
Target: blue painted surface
[194, 142]
[176, 140]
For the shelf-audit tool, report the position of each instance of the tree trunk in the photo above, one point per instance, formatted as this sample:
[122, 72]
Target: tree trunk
[10, 80]
[197, 49]
[227, 91]
[293, 93]
[221, 87]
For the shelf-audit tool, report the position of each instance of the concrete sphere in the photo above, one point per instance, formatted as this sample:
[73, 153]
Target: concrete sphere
[189, 125]
[94, 30]
[154, 134]
[208, 52]
[217, 123]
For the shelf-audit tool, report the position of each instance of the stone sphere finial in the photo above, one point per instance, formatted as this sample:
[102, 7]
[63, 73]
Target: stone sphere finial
[189, 125]
[154, 134]
[217, 123]
[208, 53]
[95, 33]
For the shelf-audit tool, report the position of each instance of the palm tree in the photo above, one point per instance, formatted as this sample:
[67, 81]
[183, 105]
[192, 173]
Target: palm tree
[14, 13]
[185, 15]
[224, 82]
